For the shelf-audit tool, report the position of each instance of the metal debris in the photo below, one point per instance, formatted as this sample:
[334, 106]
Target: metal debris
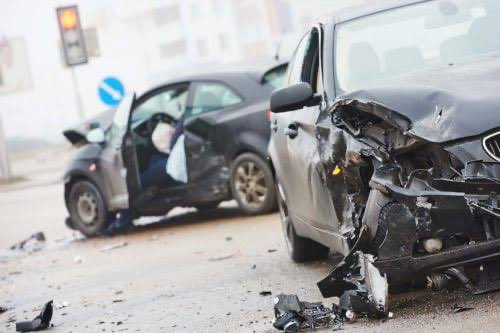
[113, 246]
[456, 309]
[292, 315]
[359, 284]
[224, 257]
[41, 322]
[61, 305]
[78, 260]
[30, 242]
[361, 288]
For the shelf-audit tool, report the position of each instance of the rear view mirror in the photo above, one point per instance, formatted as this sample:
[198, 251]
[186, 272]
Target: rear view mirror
[293, 98]
[96, 135]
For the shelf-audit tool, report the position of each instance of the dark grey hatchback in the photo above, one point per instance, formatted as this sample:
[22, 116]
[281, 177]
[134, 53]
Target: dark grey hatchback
[226, 133]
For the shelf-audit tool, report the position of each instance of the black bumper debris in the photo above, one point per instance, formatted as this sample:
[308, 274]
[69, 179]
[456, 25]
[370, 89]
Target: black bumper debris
[41, 322]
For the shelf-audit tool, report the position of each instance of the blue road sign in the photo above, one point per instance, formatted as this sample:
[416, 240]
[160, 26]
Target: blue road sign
[111, 91]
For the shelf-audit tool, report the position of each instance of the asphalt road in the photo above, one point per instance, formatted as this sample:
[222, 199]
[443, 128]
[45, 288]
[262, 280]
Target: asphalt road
[189, 273]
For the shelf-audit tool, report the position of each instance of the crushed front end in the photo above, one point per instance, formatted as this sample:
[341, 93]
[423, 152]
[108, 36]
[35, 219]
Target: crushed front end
[430, 222]
[428, 206]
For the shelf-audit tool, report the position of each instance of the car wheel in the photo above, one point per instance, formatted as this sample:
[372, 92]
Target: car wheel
[252, 184]
[300, 249]
[87, 208]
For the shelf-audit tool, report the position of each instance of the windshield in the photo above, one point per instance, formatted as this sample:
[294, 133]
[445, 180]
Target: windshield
[408, 39]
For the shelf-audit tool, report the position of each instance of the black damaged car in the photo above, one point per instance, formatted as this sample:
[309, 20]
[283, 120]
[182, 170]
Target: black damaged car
[226, 133]
[386, 144]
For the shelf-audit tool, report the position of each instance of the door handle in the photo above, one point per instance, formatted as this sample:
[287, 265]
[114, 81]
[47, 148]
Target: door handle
[274, 126]
[292, 130]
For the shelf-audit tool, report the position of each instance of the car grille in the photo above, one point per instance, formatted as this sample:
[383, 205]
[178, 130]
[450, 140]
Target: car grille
[491, 144]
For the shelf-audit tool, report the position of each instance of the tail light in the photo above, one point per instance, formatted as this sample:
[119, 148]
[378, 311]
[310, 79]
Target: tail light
[268, 114]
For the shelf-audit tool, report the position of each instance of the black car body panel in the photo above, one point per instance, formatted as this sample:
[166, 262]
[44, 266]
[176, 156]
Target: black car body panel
[408, 160]
[213, 140]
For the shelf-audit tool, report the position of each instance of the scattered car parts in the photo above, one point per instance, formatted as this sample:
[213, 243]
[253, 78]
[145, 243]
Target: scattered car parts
[292, 315]
[41, 322]
[359, 284]
[32, 242]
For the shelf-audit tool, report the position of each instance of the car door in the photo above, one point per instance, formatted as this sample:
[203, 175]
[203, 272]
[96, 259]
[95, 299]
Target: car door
[112, 162]
[204, 157]
[309, 200]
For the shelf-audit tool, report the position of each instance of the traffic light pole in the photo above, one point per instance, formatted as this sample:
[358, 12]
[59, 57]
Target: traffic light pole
[4, 156]
[78, 98]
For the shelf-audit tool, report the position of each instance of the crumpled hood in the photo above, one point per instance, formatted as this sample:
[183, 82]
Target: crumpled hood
[441, 104]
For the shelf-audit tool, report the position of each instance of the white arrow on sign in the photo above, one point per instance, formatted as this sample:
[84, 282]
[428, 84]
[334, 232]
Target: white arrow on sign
[115, 94]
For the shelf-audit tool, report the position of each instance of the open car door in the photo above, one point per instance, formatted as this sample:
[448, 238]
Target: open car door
[206, 167]
[119, 160]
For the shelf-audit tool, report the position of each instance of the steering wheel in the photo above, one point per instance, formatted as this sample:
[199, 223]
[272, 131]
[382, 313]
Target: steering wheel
[157, 118]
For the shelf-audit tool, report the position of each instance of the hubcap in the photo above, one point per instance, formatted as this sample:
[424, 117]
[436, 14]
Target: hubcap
[250, 184]
[87, 208]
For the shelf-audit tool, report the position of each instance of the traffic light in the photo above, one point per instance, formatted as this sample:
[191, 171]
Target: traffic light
[72, 40]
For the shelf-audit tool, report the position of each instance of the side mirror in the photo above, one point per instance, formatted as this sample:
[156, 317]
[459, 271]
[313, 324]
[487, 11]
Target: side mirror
[293, 98]
[96, 135]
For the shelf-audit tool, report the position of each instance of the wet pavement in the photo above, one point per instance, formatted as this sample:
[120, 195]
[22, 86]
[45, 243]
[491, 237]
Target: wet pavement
[187, 273]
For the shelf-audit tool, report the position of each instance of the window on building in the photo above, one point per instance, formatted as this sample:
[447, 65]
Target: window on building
[210, 97]
[202, 48]
[173, 49]
[224, 41]
[165, 15]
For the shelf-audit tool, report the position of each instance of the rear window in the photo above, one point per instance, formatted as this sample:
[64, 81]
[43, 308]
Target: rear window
[275, 77]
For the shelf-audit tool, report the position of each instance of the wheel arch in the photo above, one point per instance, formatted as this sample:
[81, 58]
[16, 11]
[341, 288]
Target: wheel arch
[73, 177]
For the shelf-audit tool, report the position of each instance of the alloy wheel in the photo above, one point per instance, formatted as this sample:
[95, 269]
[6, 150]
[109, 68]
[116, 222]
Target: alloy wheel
[250, 184]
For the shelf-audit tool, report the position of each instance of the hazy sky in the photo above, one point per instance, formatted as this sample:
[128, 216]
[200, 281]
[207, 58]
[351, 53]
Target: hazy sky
[40, 99]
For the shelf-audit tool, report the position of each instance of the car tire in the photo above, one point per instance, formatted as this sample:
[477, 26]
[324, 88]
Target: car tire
[87, 209]
[300, 249]
[252, 184]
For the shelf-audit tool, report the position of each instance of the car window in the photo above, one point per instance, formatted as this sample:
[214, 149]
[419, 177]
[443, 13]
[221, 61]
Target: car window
[275, 77]
[305, 64]
[294, 74]
[208, 97]
[171, 101]
[398, 42]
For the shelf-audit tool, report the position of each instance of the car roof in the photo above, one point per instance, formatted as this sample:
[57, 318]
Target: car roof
[228, 73]
[354, 12]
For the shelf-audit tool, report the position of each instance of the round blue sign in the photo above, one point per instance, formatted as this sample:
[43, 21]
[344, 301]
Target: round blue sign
[111, 91]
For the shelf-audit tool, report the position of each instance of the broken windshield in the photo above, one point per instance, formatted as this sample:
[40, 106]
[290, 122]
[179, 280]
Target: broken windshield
[411, 38]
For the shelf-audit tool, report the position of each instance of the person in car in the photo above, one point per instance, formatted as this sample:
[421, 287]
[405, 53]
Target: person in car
[164, 138]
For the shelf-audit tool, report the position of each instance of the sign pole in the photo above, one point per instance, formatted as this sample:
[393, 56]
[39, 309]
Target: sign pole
[78, 98]
[5, 172]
